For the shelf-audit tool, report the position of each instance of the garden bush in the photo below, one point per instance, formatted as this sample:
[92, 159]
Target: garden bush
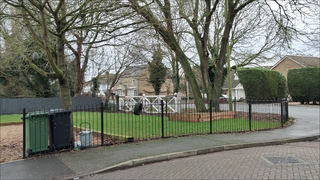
[262, 84]
[304, 84]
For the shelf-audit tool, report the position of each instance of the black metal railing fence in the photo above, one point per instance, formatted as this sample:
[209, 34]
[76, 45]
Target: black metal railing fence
[48, 130]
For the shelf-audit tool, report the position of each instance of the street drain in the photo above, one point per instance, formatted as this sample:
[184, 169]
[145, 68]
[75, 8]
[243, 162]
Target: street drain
[278, 160]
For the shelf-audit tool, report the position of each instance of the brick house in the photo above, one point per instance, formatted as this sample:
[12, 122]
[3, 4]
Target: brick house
[134, 82]
[103, 80]
[295, 62]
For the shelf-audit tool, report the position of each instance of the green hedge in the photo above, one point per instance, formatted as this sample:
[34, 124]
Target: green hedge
[262, 84]
[304, 84]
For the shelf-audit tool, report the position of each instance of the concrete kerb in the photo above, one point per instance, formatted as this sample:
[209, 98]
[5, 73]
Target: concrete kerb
[176, 155]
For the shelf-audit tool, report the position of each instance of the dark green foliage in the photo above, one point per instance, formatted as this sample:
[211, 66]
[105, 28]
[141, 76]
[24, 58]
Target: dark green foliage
[262, 84]
[11, 82]
[26, 82]
[157, 71]
[95, 86]
[212, 74]
[40, 85]
[304, 84]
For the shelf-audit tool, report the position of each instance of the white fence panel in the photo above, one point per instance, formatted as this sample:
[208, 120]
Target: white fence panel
[150, 104]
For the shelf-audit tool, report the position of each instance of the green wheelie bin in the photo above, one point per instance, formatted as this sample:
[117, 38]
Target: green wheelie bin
[36, 132]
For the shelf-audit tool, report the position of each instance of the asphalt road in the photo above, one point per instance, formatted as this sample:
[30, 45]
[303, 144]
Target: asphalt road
[289, 161]
[305, 112]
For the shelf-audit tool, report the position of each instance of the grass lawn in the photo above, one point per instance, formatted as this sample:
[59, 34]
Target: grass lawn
[10, 118]
[149, 126]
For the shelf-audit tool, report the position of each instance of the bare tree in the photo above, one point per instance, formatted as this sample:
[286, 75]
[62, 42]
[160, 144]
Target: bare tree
[123, 58]
[198, 14]
[49, 22]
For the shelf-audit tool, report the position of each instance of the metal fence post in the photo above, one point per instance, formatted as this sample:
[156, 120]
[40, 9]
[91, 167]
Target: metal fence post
[250, 115]
[166, 107]
[162, 120]
[24, 133]
[117, 103]
[210, 116]
[101, 110]
[235, 105]
[186, 106]
[287, 111]
[281, 109]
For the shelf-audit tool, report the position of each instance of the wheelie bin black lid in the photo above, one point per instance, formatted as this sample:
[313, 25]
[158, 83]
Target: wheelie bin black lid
[58, 111]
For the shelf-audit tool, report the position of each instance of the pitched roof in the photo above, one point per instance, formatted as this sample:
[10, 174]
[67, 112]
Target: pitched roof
[133, 71]
[304, 61]
[234, 82]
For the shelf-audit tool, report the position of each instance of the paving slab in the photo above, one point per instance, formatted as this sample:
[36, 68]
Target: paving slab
[288, 161]
[35, 168]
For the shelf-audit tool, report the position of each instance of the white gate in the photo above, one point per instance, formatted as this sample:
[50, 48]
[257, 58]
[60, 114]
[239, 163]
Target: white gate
[151, 104]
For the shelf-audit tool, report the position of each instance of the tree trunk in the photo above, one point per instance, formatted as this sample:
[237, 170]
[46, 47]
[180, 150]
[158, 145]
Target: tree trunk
[80, 71]
[184, 62]
[63, 81]
[175, 74]
[107, 94]
[65, 94]
[78, 85]
[200, 104]
[222, 54]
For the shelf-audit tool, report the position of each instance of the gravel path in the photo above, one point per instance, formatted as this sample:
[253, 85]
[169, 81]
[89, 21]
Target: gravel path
[10, 143]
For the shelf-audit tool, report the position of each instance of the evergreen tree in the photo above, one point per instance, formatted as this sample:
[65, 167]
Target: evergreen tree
[157, 71]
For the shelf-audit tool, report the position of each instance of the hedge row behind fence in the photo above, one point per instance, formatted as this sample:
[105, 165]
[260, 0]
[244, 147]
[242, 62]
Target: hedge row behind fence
[259, 83]
[304, 84]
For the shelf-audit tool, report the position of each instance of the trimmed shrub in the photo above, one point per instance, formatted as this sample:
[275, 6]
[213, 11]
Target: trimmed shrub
[262, 84]
[304, 84]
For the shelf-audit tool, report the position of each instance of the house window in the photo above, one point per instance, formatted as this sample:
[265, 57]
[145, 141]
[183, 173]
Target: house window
[131, 92]
[236, 77]
[281, 74]
[118, 92]
[132, 81]
[119, 81]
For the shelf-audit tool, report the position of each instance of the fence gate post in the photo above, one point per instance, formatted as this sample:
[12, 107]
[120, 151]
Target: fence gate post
[287, 111]
[250, 115]
[282, 113]
[118, 103]
[24, 133]
[210, 116]
[166, 107]
[101, 111]
[162, 120]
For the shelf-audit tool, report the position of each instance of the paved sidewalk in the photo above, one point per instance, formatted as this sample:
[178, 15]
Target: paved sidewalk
[289, 161]
[83, 163]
